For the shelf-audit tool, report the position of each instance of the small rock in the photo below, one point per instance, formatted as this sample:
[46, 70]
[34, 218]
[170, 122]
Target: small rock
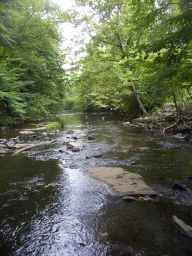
[104, 235]
[146, 199]
[75, 149]
[129, 199]
[3, 141]
[91, 137]
[98, 156]
[179, 187]
[11, 144]
[126, 123]
[82, 244]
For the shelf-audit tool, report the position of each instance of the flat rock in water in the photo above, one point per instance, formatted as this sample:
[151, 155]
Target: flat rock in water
[26, 132]
[123, 182]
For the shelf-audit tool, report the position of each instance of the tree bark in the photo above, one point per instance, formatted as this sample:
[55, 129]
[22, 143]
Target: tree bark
[142, 107]
[177, 108]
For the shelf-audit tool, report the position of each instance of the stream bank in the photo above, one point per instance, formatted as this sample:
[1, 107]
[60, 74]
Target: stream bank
[166, 122]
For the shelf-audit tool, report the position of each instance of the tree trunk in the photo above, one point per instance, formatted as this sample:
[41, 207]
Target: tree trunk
[177, 108]
[142, 107]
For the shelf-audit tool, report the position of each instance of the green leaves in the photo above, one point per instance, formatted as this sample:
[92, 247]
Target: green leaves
[144, 42]
[31, 74]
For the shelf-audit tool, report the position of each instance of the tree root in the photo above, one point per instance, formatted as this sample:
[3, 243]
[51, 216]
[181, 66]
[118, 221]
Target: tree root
[166, 129]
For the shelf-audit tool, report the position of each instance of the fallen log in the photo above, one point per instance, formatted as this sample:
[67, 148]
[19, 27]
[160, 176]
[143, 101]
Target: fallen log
[187, 230]
[30, 146]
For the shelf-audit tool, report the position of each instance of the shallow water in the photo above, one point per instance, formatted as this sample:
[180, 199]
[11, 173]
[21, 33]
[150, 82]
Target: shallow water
[49, 206]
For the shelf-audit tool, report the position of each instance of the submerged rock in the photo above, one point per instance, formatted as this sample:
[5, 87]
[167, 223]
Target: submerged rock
[91, 137]
[74, 147]
[11, 144]
[124, 182]
[179, 187]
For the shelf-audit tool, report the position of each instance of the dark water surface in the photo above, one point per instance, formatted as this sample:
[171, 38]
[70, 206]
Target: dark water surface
[49, 206]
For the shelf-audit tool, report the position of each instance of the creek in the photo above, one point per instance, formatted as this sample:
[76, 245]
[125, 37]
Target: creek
[50, 206]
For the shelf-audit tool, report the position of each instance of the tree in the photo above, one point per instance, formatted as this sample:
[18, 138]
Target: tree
[142, 47]
[31, 76]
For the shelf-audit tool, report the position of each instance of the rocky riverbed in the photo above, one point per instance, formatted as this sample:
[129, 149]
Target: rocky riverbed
[51, 203]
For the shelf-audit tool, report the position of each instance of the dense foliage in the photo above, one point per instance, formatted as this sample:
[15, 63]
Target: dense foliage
[31, 73]
[139, 50]
[139, 56]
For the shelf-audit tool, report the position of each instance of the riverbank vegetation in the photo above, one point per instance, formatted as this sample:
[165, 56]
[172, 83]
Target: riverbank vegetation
[32, 79]
[139, 56]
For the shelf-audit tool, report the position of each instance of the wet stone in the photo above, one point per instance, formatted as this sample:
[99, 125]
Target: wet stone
[179, 187]
[4, 151]
[124, 182]
[129, 198]
[25, 132]
[3, 141]
[91, 137]
[75, 138]
[98, 156]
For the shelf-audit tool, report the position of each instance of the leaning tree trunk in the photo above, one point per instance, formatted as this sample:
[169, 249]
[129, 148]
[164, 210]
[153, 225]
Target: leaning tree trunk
[141, 106]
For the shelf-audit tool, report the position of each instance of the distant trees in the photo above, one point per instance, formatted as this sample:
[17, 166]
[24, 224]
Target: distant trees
[31, 73]
[140, 47]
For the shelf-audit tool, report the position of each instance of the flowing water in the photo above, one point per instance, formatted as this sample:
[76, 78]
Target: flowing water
[49, 206]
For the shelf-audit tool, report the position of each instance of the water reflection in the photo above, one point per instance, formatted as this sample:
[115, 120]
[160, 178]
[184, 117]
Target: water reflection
[69, 224]
[53, 208]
